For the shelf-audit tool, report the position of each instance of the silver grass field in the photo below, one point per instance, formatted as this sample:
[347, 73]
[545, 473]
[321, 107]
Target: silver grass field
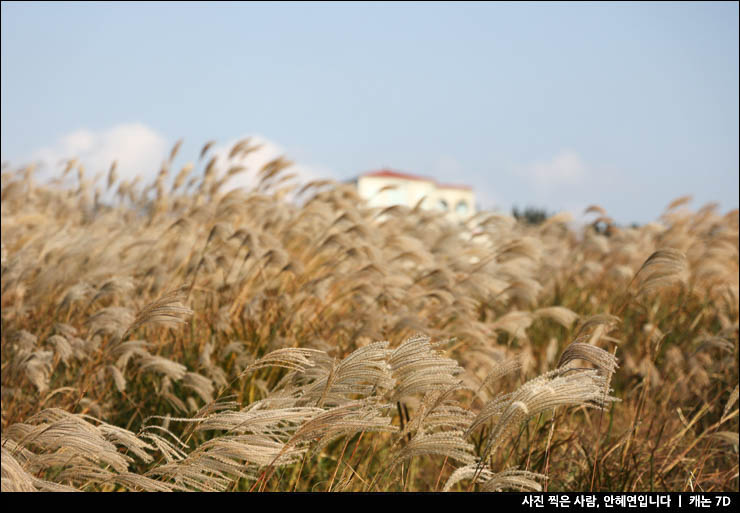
[287, 337]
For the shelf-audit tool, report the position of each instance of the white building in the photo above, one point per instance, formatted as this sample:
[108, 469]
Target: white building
[386, 187]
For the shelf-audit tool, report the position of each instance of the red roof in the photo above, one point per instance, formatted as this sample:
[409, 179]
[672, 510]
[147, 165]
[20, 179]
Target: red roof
[454, 186]
[388, 173]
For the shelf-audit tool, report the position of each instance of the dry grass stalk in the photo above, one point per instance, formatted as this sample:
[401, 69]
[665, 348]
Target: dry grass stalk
[288, 292]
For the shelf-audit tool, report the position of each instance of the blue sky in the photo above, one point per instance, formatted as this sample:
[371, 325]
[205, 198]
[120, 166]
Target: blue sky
[555, 105]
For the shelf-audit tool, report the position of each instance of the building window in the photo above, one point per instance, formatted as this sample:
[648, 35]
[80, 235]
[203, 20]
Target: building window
[461, 208]
[442, 205]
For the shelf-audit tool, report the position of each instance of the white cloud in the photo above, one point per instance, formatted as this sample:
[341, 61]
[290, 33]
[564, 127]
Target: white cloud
[565, 168]
[138, 149]
[254, 161]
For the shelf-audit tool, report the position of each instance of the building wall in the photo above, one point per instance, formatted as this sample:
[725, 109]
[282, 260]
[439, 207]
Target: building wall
[387, 191]
[458, 202]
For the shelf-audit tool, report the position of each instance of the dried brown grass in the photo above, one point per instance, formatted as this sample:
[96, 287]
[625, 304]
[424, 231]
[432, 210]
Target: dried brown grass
[184, 338]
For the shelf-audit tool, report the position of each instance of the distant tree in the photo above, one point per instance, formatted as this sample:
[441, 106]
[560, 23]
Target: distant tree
[530, 215]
